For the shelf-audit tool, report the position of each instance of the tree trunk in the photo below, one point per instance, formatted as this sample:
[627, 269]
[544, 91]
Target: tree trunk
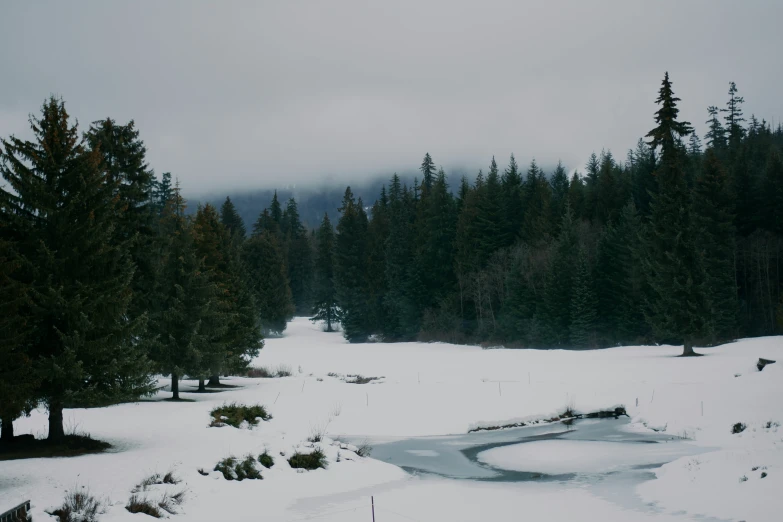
[328, 322]
[7, 433]
[56, 429]
[214, 380]
[174, 386]
[687, 349]
[201, 385]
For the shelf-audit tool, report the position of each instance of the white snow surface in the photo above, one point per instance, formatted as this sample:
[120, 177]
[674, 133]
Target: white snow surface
[438, 389]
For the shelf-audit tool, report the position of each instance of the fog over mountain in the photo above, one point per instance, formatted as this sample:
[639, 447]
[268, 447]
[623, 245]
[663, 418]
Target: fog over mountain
[247, 95]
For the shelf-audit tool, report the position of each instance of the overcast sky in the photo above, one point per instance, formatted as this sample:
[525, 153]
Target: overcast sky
[257, 94]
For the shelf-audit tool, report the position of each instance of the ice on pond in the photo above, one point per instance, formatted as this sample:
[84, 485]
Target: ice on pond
[558, 457]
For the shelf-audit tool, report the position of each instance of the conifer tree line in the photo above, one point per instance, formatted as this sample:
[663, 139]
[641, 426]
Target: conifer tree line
[680, 243]
[106, 283]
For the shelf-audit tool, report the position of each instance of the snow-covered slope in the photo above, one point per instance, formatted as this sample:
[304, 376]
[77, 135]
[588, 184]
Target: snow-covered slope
[434, 389]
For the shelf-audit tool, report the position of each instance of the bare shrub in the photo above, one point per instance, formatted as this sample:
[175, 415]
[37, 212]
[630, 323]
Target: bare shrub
[79, 506]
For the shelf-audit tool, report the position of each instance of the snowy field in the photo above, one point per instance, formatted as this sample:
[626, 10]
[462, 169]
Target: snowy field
[441, 389]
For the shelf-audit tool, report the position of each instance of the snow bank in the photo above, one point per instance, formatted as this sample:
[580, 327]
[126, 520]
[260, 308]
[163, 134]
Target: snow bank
[435, 389]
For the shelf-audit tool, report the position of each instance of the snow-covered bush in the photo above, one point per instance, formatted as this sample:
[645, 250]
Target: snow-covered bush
[79, 506]
[235, 414]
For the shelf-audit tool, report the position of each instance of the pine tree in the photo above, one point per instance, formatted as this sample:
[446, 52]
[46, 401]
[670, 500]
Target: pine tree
[162, 192]
[231, 219]
[513, 211]
[675, 263]
[351, 268]
[435, 233]
[560, 190]
[190, 317]
[268, 280]
[584, 305]
[299, 259]
[428, 173]
[576, 198]
[734, 117]
[125, 163]
[84, 343]
[643, 183]
[555, 313]
[716, 135]
[276, 211]
[377, 236]
[18, 381]
[713, 215]
[537, 203]
[324, 295]
[220, 254]
[402, 321]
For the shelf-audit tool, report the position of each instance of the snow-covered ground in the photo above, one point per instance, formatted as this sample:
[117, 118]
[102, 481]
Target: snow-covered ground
[439, 389]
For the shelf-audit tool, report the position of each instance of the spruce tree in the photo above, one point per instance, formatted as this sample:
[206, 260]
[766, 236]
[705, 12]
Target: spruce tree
[560, 190]
[677, 310]
[513, 211]
[18, 380]
[84, 343]
[125, 163]
[716, 135]
[351, 268]
[232, 220]
[190, 318]
[162, 192]
[377, 236]
[773, 191]
[555, 313]
[733, 117]
[584, 305]
[268, 280]
[299, 259]
[324, 295]
[402, 321]
[713, 214]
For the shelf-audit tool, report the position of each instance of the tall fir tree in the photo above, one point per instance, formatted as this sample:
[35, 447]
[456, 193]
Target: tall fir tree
[351, 269]
[713, 215]
[268, 280]
[584, 305]
[677, 310]
[190, 317]
[512, 202]
[324, 296]
[299, 259]
[232, 220]
[402, 321]
[78, 272]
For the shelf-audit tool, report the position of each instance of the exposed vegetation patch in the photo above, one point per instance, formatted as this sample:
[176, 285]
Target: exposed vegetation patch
[235, 469]
[567, 416]
[157, 509]
[364, 449]
[265, 372]
[739, 427]
[309, 461]
[266, 460]
[79, 506]
[235, 414]
[355, 378]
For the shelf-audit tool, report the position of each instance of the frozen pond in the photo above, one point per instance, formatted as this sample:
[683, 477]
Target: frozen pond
[544, 453]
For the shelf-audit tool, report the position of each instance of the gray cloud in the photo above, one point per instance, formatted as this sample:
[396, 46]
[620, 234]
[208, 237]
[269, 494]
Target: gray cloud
[258, 94]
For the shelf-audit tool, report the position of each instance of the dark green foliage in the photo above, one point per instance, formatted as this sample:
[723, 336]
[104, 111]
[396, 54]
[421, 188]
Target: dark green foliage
[299, 259]
[78, 270]
[324, 293]
[309, 461]
[555, 312]
[235, 469]
[584, 305]
[714, 219]
[675, 263]
[231, 219]
[560, 192]
[351, 269]
[401, 320]
[266, 277]
[18, 382]
[235, 414]
[266, 460]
